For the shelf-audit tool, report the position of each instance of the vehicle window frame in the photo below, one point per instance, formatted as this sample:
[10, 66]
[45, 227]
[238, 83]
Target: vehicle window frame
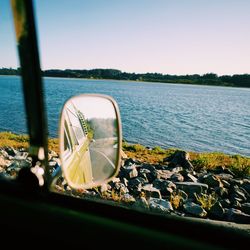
[159, 225]
[67, 153]
[75, 128]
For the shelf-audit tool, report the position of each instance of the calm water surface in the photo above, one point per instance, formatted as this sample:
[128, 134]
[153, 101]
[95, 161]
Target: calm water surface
[199, 118]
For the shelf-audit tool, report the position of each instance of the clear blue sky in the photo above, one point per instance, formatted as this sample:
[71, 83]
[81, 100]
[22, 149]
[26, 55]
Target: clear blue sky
[165, 36]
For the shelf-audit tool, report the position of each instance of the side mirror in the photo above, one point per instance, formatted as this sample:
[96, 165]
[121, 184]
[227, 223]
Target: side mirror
[90, 140]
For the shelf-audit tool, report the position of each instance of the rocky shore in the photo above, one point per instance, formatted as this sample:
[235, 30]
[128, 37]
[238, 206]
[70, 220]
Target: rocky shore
[172, 187]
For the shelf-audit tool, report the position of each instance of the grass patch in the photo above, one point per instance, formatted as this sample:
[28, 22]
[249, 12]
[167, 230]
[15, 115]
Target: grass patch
[9, 139]
[133, 147]
[238, 164]
[176, 199]
[53, 144]
[147, 155]
[206, 200]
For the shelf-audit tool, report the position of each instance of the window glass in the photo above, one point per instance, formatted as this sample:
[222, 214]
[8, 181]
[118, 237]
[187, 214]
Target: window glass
[76, 126]
[67, 146]
[179, 72]
[13, 130]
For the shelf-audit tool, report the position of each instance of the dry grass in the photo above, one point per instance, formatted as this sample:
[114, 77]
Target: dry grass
[115, 195]
[206, 200]
[238, 164]
[8, 139]
[53, 144]
[143, 154]
[176, 200]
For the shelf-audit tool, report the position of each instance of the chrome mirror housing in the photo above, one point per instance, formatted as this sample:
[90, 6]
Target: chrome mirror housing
[90, 140]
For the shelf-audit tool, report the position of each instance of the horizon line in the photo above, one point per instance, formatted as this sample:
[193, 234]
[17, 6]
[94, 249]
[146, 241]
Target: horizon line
[130, 72]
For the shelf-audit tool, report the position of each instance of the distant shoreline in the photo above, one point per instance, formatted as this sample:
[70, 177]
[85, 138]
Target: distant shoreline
[139, 81]
[209, 79]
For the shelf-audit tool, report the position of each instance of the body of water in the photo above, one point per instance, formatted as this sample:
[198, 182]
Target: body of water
[194, 118]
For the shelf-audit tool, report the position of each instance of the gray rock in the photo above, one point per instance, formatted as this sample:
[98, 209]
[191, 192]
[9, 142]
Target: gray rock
[29, 158]
[190, 177]
[238, 194]
[177, 177]
[20, 156]
[224, 176]
[235, 215]
[25, 163]
[19, 164]
[217, 211]
[90, 193]
[224, 170]
[132, 172]
[161, 167]
[141, 203]
[236, 204]
[116, 179]
[202, 173]
[104, 188]
[4, 162]
[128, 198]
[144, 173]
[225, 184]
[180, 158]
[158, 183]
[219, 169]
[152, 175]
[245, 207]
[246, 185]
[120, 187]
[134, 185]
[52, 163]
[4, 154]
[212, 181]
[163, 174]
[247, 195]
[235, 182]
[225, 203]
[150, 167]
[221, 191]
[166, 187]
[190, 188]
[151, 191]
[177, 169]
[130, 161]
[160, 205]
[123, 180]
[194, 209]
[128, 172]
[13, 169]
[11, 151]
[183, 195]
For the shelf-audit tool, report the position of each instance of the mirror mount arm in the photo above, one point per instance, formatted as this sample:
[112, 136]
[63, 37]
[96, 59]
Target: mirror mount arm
[32, 81]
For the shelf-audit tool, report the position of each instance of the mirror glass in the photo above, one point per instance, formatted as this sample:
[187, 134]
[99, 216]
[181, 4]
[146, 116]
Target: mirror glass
[90, 140]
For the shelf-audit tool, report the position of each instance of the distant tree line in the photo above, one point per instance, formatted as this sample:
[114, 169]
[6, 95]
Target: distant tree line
[238, 80]
[10, 71]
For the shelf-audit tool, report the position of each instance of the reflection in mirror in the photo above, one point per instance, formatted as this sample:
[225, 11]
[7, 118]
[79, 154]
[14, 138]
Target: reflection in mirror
[90, 140]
